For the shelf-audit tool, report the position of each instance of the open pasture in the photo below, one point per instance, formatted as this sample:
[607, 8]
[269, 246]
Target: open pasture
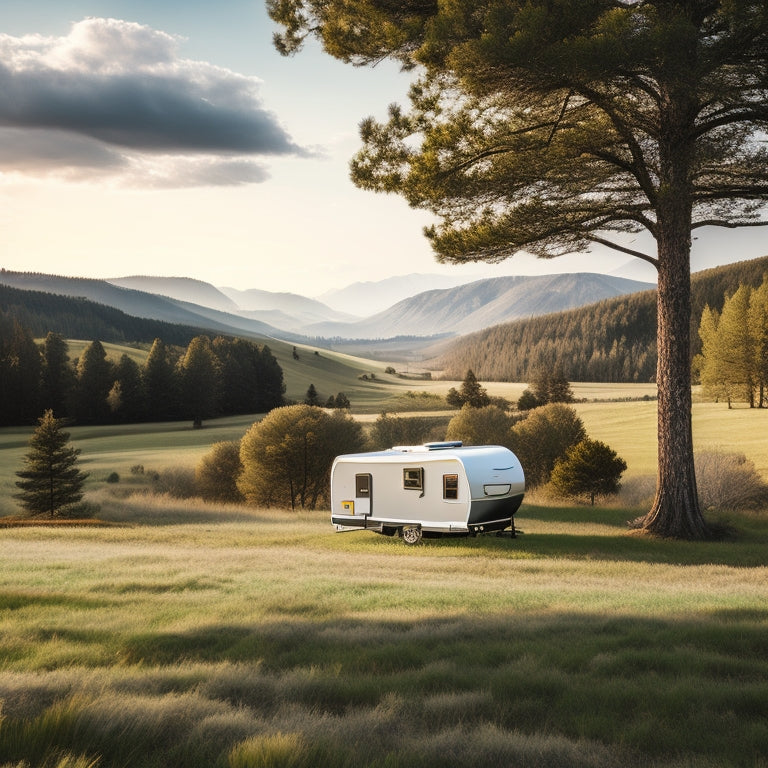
[187, 635]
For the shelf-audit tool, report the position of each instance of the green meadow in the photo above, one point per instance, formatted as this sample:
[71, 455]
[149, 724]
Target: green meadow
[175, 633]
[187, 635]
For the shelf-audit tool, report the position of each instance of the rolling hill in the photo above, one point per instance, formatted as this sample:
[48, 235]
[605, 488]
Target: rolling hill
[138, 304]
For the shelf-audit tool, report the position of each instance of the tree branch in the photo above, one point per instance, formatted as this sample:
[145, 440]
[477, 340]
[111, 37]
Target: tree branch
[623, 249]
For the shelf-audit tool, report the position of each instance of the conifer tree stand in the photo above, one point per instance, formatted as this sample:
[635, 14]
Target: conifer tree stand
[553, 126]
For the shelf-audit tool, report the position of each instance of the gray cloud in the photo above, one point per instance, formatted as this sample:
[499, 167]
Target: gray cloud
[112, 89]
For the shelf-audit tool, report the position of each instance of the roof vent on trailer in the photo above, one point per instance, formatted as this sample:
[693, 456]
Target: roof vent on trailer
[443, 446]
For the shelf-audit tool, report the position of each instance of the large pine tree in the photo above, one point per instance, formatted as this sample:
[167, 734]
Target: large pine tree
[51, 482]
[549, 126]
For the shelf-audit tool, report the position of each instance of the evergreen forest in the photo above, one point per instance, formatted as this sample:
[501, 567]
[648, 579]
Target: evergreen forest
[208, 378]
[611, 341]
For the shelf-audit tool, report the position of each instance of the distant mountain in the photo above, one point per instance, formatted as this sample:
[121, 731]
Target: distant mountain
[288, 311]
[179, 288]
[481, 304]
[367, 298]
[138, 303]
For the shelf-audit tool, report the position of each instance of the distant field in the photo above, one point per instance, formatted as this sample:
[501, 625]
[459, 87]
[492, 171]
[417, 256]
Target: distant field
[200, 636]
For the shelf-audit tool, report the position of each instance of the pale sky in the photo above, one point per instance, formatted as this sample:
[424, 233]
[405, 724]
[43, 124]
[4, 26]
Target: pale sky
[160, 137]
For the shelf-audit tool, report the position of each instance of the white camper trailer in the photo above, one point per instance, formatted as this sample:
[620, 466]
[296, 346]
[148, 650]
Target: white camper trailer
[433, 489]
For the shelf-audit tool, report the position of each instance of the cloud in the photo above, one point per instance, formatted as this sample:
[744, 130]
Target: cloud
[112, 94]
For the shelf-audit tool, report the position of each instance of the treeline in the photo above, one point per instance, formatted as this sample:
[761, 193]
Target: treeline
[613, 340]
[77, 318]
[208, 378]
[733, 363]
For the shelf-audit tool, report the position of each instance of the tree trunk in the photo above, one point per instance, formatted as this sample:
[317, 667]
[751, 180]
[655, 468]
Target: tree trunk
[675, 511]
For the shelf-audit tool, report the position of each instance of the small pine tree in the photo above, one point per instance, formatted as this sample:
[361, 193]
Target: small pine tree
[51, 481]
[588, 468]
[312, 398]
[471, 393]
[342, 401]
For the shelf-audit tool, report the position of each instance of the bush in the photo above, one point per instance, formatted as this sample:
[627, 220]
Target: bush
[287, 456]
[543, 437]
[113, 477]
[217, 473]
[728, 481]
[178, 482]
[389, 431]
[527, 401]
[589, 468]
[480, 426]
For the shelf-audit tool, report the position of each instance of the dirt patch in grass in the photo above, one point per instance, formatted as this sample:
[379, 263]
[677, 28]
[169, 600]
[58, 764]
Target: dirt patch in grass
[37, 522]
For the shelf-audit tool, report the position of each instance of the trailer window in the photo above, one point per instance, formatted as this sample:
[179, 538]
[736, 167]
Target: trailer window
[450, 486]
[413, 478]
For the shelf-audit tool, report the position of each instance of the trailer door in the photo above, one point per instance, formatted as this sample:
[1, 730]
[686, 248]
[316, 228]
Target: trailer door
[363, 494]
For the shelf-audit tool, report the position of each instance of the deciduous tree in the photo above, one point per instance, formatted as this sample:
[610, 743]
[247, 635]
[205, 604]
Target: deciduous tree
[489, 425]
[217, 473]
[552, 126]
[287, 456]
[543, 437]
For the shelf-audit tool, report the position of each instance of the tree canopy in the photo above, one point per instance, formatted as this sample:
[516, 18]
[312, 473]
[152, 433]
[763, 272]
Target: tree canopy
[552, 126]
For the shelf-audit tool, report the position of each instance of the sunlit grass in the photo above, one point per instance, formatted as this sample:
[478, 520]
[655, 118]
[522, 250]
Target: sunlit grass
[195, 635]
[181, 633]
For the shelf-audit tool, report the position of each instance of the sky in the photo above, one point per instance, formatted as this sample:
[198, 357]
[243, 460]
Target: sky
[159, 137]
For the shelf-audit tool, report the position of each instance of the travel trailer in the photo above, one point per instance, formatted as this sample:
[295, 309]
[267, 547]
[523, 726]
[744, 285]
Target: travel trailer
[434, 489]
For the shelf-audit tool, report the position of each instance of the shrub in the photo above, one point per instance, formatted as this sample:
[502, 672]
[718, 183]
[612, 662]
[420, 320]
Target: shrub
[287, 456]
[113, 477]
[527, 401]
[217, 472]
[480, 426]
[178, 482]
[728, 481]
[388, 431]
[588, 468]
[543, 437]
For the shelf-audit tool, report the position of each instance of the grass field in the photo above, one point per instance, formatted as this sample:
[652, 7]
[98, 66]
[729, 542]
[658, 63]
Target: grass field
[186, 635]
[179, 634]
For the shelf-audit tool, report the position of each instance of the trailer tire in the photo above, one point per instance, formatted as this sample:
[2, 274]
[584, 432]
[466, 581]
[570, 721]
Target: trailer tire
[412, 534]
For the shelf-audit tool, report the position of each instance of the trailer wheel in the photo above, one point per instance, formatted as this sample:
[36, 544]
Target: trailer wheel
[411, 534]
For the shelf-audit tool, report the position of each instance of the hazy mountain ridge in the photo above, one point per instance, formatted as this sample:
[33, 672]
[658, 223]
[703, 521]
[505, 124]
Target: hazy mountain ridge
[286, 311]
[458, 310]
[481, 304]
[365, 299]
[185, 289]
